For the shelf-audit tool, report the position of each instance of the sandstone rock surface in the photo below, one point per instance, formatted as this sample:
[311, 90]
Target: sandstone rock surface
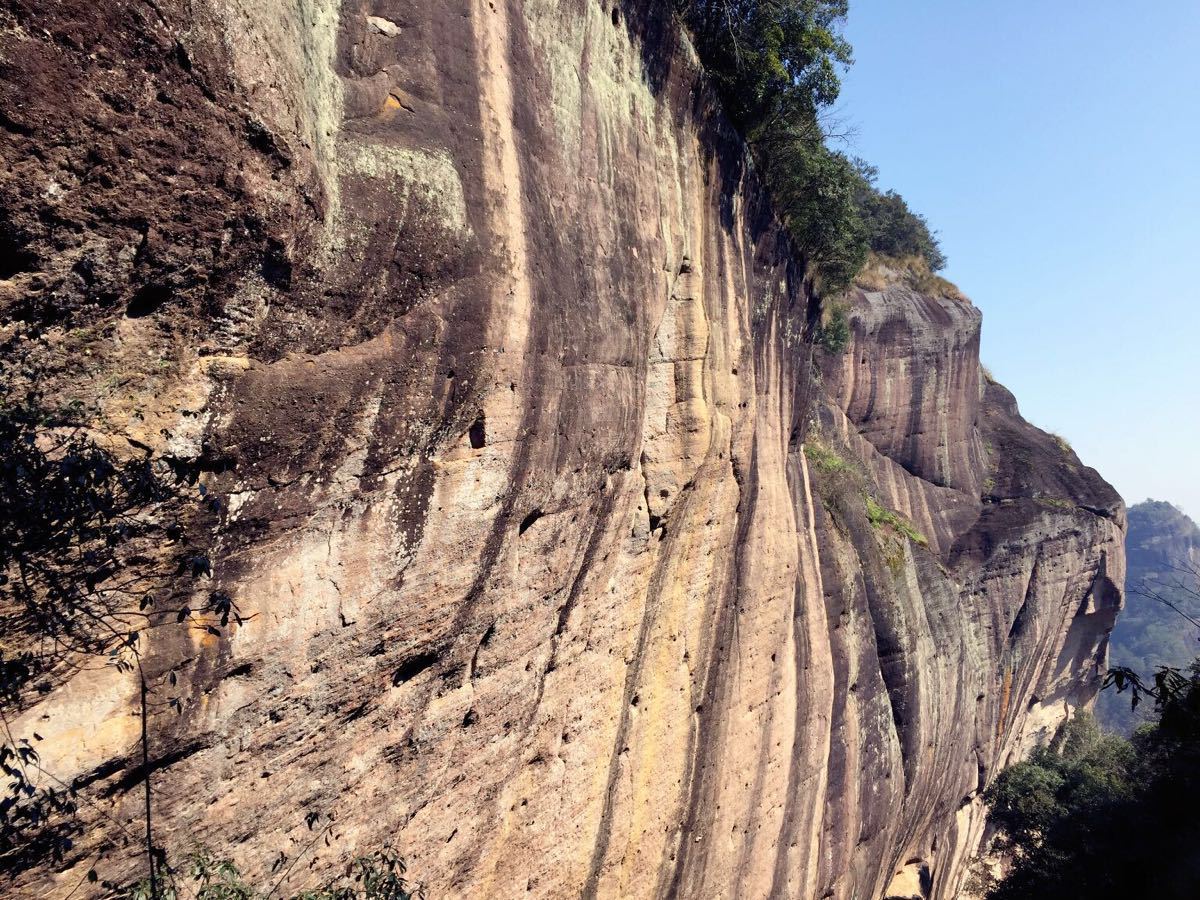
[552, 523]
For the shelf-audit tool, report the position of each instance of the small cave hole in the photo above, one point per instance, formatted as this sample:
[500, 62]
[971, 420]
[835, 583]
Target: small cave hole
[616, 16]
[414, 666]
[14, 258]
[528, 521]
[478, 433]
[470, 718]
[276, 266]
[147, 299]
[488, 635]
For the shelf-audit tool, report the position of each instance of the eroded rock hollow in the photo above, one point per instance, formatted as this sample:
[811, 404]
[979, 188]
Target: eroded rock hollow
[572, 568]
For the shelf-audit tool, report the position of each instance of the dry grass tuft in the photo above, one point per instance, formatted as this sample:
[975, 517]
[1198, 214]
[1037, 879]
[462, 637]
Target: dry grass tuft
[882, 272]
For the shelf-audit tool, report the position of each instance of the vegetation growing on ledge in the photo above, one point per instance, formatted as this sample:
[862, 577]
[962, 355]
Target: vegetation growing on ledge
[833, 332]
[823, 458]
[881, 272]
[775, 64]
[880, 516]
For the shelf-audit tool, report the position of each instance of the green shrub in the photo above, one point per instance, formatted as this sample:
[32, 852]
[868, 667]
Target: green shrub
[1096, 816]
[892, 229]
[823, 458]
[814, 190]
[775, 64]
[1024, 800]
[880, 516]
[770, 59]
[833, 333]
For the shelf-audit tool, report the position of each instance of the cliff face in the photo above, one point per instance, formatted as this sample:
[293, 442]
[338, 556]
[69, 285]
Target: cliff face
[953, 662]
[557, 545]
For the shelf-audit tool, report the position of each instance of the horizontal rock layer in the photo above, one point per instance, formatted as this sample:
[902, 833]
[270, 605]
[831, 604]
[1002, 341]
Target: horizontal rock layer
[475, 317]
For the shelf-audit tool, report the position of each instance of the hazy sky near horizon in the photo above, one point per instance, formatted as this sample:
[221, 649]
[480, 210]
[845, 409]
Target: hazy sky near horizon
[1056, 149]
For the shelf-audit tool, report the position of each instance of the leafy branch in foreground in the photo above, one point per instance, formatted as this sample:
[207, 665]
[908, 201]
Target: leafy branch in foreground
[376, 876]
[1097, 816]
[94, 557]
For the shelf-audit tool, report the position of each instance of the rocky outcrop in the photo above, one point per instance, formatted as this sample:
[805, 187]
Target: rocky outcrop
[569, 571]
[1163, 551]
[956, 659]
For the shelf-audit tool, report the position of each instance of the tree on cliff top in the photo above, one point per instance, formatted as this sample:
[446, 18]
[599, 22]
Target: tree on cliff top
[772, 60]
[775, 64]
[893, 229]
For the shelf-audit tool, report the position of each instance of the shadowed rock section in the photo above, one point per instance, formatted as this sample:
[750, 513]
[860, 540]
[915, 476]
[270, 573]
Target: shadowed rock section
[475, 316]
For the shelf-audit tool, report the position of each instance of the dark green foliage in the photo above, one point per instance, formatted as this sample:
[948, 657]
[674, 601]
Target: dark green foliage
[771, 60]
[1024, 800]
[1098, 816]
[775, 64]
[892, 228]
[815, 192]
[833, 334]
[1083, 767]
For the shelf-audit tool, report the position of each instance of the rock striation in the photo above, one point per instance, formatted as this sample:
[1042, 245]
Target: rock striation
[573, 568]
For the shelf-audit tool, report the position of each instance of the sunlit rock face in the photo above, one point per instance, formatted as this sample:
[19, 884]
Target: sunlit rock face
[956, 661]
[476, 319]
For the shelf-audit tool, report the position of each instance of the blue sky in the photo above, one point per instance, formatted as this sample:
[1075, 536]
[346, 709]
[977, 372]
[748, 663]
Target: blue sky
[1056, 148]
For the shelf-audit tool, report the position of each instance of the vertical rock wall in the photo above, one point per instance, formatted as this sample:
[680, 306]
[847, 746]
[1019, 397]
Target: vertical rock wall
[473, 314]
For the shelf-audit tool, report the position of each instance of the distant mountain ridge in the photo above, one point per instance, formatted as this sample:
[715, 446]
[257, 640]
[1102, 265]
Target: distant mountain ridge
[1149, 634]
[1161, 533]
